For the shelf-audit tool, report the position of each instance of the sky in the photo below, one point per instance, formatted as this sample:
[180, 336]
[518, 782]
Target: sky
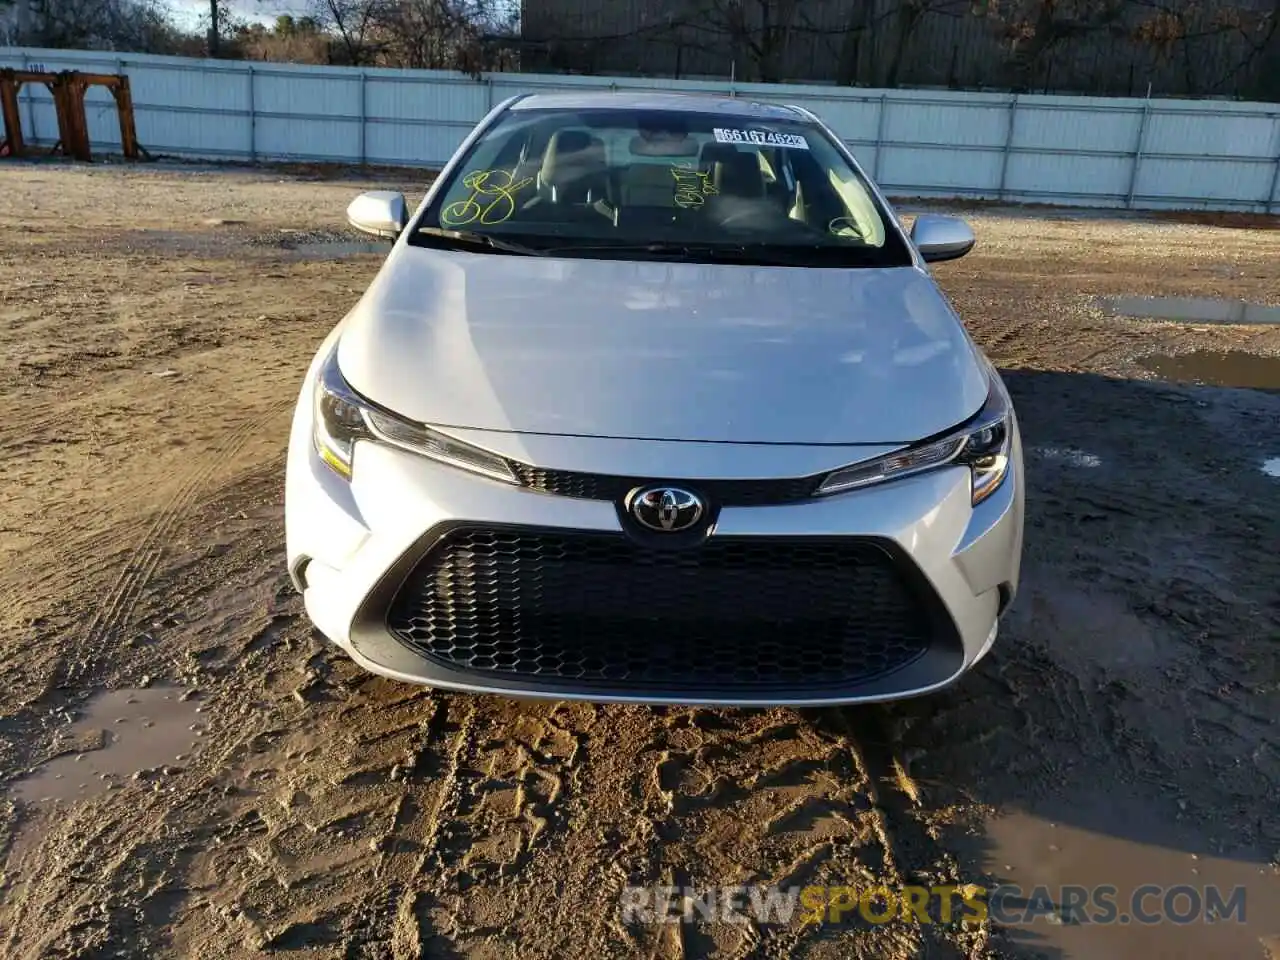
[189, 13]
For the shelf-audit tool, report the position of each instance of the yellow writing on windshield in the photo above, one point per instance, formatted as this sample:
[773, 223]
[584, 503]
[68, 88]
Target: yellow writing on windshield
[693, 186]
[492, 200]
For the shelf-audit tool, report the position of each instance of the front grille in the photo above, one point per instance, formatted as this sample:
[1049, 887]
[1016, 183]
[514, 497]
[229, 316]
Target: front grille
[725, 493]
[597, 609]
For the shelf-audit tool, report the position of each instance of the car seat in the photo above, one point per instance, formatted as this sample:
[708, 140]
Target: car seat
[574, 169]
[734, 173]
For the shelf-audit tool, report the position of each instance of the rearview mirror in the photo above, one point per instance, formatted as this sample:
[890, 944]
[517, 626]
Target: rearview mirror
[942, 238]
[381, 213]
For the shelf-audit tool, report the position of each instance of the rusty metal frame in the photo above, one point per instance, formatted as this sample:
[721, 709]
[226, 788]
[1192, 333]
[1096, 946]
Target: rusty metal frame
[68, 90]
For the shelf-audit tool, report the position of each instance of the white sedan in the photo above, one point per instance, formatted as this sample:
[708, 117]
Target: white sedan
[654, 400]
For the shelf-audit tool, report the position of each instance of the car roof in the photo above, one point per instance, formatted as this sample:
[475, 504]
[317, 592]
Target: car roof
[645, 100]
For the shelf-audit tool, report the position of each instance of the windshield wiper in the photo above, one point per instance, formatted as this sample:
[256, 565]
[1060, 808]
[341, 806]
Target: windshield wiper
[761, 254]
[468, 239]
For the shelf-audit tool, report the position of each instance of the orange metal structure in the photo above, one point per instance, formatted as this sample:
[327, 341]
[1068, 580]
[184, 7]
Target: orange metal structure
[68, 90]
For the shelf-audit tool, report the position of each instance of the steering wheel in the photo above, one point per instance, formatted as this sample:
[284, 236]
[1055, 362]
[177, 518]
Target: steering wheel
[840, 224]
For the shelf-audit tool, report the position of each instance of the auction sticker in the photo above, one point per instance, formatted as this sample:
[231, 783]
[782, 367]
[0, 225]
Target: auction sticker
[764, 138]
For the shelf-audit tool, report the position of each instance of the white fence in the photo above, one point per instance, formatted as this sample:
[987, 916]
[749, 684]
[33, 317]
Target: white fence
[916, 143]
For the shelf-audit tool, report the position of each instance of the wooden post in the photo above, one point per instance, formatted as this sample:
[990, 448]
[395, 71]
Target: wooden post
[77, 136]
[57, 85]
[77, 87]
[124, 106]
[12, 118]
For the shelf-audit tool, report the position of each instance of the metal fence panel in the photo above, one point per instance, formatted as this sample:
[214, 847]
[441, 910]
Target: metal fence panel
[1240, 135]
[928, 143]
[1273, 198]
[1073, 128]
[293, 94]
[448, 98]
[180, 85]
[956, 126]
[412, 145]
[289, 138]
[932, 172]
[1229, 183]
[1091, 180]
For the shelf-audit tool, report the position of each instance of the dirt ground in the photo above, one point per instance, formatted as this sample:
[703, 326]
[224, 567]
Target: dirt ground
[186, 770]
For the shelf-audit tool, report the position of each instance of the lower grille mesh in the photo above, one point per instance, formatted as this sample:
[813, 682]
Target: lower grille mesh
[598, 609]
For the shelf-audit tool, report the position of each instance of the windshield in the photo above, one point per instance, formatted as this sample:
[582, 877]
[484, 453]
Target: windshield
[649, 184]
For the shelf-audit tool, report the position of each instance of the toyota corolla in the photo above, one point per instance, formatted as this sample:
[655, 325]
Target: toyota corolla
[654, 399]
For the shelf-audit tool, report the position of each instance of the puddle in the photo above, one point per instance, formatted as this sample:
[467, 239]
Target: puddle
[1192, 309]
[1184, 911]
[177, 242]
[1069, 456]
[120, 733]
[338, 250]
[1230, 369]
[1271, 467]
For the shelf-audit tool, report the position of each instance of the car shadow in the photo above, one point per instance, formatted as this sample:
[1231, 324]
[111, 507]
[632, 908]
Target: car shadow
[1125, 714]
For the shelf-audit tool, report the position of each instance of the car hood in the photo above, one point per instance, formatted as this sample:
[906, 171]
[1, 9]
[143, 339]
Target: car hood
[661, 350]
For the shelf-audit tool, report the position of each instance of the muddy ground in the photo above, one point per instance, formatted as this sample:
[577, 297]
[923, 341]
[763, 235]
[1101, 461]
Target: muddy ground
[188, 771]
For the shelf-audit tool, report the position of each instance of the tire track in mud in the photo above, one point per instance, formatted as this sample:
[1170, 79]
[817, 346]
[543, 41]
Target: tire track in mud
[434, 795]
[358, 785]
[835, 792]
[790, 798]
[914, 852]
[65, 841]
[351, 802]
[1001, 338]
[500, 798]
[38, 919]
[771, 799]
[31, 427]
[442, 796]
[144, 558]
[409, 898]
[651, 821]
[114, 861]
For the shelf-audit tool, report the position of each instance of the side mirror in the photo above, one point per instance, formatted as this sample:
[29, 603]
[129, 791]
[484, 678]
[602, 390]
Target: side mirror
[381, 213]
[942, 238]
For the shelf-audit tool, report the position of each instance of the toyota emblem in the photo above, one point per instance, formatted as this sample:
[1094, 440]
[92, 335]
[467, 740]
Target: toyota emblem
[666, 509]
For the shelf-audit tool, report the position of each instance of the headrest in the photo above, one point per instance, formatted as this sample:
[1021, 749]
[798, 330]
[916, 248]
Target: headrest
[571, 155]
[571, 141]
[713, 153]
[734, 172]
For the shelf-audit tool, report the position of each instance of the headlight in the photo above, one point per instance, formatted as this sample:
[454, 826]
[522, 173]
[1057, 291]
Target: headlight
[982, 444]
[343, 417]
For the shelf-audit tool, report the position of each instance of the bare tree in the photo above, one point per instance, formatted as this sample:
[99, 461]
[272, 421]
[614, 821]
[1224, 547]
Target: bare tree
[757, 32]
[221, 24]
[905, 18]
[289, 40]
[855, 42]
[353, 22]
[95, 24]
[439, 34]
[1178, 32]
[1032, 29]
[15, 19]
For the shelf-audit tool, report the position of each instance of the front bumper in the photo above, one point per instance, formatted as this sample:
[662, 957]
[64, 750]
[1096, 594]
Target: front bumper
[351, 547]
